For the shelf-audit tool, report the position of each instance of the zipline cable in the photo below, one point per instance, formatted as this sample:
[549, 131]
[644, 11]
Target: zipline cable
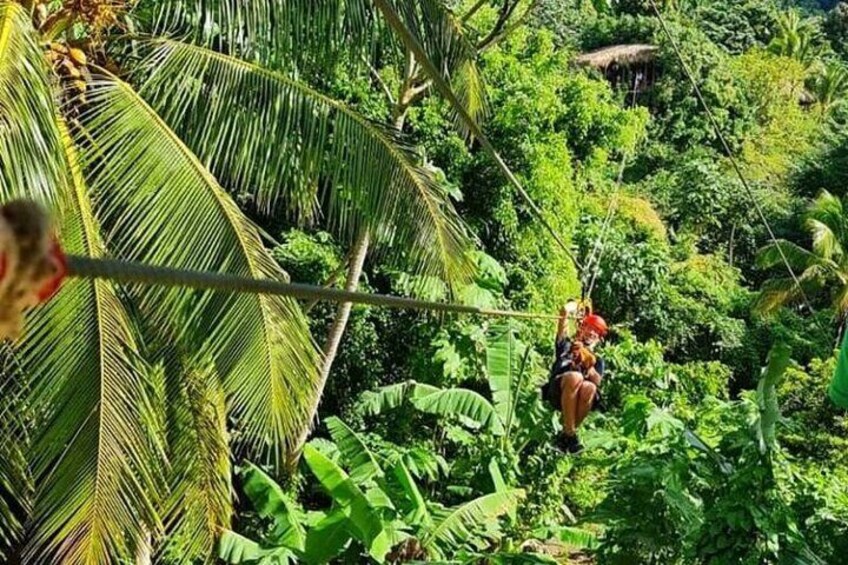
[736, 167]
[445, 89]
[592, 267]
[127, 272]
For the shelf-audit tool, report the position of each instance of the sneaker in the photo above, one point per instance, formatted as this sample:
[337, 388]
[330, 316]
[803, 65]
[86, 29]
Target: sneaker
[575, 447]
[568, 444]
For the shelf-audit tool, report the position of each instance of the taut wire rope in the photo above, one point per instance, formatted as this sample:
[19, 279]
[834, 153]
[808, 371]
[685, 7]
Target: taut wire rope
[731, 157]
[445, 89]
[127, 272]
[592, 268]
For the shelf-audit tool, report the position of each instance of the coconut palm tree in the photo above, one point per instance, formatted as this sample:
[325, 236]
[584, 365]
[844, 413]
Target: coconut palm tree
[795, 38]
[133, 401]
[830, 86]
[822, 271]
[318, 34]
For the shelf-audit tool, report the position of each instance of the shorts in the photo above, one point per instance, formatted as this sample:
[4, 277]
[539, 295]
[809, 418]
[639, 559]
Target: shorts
[552, 394]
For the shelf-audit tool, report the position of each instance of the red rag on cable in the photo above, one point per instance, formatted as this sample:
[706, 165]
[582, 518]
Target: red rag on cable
[52, 286]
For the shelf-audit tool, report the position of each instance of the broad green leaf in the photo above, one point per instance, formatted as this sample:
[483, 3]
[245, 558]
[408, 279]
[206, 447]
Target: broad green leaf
[418, 514]
[577, 538]
[359, 459]
[779, 360]
[461, 524]
[32, 161]
[499, 364]
[462, 403]
[327, 538]
[92, 461]
[271, 502]
[363, 518]
[162, 207]
[499, 483]
[378, 498]
[374, 403]
[237, 549]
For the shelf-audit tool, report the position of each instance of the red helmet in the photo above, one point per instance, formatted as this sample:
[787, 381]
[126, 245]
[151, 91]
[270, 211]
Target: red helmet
[595, 323]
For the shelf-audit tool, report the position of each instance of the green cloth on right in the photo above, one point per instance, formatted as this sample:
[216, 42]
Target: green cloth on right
[839, 386]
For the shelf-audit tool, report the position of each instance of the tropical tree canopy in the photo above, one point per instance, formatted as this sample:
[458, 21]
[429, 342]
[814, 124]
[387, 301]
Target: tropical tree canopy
[319, 142]
[133, 417]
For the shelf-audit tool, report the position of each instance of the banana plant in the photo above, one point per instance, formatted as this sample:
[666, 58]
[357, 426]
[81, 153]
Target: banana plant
[507, 374]
[377, 508]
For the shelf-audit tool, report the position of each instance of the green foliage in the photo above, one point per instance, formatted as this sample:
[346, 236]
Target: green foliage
[650, 506]
[738, 26]
[130, 426]
[677, 497]
[308, 258]
[384, 514]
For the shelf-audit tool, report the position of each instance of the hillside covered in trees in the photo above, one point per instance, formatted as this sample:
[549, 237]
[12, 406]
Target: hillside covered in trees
[305, 140]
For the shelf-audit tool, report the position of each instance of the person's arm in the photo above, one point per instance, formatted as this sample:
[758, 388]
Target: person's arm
[562, 325]
[565, 330]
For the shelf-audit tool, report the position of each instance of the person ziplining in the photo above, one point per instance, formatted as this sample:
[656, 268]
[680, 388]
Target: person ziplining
[573, 386]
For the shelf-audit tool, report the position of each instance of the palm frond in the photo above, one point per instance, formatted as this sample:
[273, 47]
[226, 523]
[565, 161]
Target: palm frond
[201, 496]
[279, 140]
[825, 242]
[780, 292]
[309, 35]
[440, 34]
[285, 34]
[162, 207]
[15, 487]
[31, 158]
[828, 211]
[91, 460]
[772, 255]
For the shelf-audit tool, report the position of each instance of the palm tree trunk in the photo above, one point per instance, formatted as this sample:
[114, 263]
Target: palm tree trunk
[357, 261]
[354, 273]
[334, 338]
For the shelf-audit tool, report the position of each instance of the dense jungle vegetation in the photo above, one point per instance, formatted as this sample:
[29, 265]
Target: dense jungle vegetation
[301, 140]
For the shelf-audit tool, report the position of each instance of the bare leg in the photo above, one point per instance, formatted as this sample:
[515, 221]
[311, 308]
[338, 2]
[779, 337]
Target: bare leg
[571, 383]
[585, 398]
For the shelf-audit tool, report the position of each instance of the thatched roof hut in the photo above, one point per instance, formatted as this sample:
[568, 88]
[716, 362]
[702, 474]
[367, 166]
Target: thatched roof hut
[621, 55]
[630, 66]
